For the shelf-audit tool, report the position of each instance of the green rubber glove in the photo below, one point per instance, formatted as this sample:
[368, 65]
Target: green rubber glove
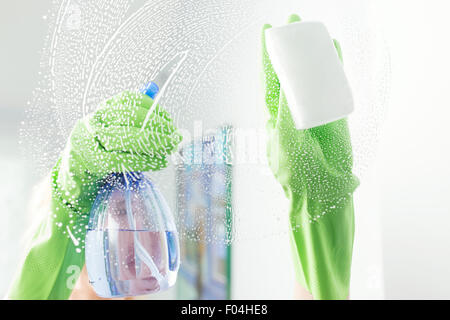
[314, 167]
[109, 140]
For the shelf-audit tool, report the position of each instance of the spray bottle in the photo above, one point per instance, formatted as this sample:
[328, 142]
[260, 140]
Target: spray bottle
[132, 245]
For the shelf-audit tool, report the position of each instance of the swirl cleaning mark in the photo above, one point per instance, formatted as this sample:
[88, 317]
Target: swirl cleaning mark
[74, 240]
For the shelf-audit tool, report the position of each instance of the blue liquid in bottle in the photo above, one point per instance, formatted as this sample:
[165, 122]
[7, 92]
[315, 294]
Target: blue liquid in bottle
[132, 243]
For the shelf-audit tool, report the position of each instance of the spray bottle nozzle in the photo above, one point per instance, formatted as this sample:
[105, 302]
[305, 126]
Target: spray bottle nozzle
[151, 89]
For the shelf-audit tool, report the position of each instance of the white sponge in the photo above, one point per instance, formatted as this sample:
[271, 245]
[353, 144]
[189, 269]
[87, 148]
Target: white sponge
[310, 73]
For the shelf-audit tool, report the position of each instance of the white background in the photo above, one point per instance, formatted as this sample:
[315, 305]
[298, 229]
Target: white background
[408, 185]
[414, 155]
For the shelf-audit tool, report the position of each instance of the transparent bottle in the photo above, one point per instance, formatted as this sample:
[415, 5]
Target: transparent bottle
[132, 243]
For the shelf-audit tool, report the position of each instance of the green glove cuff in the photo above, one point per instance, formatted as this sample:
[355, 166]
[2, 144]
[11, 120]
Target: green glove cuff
[322, 244]
[54, 261]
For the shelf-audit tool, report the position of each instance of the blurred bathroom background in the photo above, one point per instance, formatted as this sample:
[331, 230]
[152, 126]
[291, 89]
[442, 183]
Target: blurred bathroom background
[402, 243]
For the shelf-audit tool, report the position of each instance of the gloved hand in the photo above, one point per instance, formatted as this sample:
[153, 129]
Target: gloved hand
[314, 167]
[107, 141]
